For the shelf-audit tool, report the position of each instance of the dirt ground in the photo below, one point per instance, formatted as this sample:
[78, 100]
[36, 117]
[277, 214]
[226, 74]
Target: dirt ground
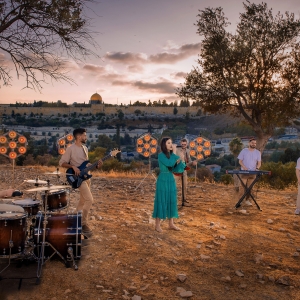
[220, 252]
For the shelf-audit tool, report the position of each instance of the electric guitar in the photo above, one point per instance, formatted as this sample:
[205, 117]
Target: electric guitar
[76, 181]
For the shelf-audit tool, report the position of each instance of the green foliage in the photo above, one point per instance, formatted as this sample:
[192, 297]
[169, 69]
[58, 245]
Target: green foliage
[226, 179]
[112, 164]
[204, 174]
[290, 155]
[236, 146]
[120, 114]
[247, 71]
[275, 156]
[282, 175]
[105, 142]
[96, 154]
[272, 145]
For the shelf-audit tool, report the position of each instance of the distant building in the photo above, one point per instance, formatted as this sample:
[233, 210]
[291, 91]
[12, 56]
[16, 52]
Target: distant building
[96, 99]
[213, 168]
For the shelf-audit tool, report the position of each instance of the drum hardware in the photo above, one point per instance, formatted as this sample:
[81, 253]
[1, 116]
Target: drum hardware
[36, 181]
[57, 200]
[10, 244]
[70, 252]
[46, 188]
[41, 256]
[12, 231]
[31, 206]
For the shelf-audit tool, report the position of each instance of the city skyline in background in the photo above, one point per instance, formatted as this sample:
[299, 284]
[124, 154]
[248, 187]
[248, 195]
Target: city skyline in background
[145, 50]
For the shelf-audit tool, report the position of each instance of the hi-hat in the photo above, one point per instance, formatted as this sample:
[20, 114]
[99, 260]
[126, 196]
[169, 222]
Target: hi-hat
[38, 181]
[48, 188]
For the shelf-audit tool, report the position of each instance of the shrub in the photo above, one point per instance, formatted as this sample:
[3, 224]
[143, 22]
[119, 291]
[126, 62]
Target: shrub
[226, 179]
[204, 174]
[282, 175]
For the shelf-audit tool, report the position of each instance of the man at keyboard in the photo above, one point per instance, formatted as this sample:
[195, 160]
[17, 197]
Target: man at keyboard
[249, 159]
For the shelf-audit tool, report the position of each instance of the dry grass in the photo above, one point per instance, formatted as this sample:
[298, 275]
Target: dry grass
[215, 242]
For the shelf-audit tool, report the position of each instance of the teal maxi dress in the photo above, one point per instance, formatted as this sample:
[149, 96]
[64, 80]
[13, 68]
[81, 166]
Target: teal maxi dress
[165, 201]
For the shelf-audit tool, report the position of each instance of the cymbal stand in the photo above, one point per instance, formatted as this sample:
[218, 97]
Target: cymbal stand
[150, 172]
[41, 261]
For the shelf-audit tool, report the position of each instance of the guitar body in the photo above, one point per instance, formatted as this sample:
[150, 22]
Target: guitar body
[75, 181]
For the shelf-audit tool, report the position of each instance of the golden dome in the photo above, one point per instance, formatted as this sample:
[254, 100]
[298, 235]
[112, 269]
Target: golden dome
[96, 99]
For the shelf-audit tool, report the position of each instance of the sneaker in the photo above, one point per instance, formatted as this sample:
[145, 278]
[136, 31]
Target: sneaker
[86, 231]
[247, 202]
[297, 211]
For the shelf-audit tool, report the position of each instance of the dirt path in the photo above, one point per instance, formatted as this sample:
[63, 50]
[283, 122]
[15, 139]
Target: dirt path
[220, 252]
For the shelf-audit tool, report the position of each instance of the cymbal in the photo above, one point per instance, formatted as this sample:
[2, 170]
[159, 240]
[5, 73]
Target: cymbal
[54, 173]
[38, 181]
[48, 188]
[58, 173]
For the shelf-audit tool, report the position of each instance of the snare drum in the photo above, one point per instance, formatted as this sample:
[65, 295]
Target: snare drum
[30, 206]
[56, 200]
[62, 231]
[12, 233]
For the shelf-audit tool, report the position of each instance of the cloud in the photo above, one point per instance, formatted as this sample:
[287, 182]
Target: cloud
[93, 68]
[183, 52]
[135, 68]
[176, 55]
[179, 75]
[126, 57]
[164, 87]
[120, 83]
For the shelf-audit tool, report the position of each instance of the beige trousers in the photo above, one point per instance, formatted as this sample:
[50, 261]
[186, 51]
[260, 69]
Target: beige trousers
[178, 180]
[247, 180]
[85, 201]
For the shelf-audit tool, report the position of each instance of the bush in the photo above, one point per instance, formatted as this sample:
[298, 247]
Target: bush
[112, 164]
[226, 179]
[204, 174]
[282, 175]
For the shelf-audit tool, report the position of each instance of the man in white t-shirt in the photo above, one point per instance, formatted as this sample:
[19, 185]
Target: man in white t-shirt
[249, 159]
[297, 211]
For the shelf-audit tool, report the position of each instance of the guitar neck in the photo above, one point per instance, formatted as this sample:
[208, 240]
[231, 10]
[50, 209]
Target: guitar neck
[93, 166]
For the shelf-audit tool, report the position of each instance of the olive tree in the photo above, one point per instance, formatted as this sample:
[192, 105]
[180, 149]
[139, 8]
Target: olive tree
[37, 37]
[253, 72]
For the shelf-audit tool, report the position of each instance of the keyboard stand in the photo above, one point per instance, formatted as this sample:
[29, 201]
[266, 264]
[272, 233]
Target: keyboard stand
[248, 191]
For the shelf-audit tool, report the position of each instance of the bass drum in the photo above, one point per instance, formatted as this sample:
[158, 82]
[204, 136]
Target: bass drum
[62, 231]
[13, 226]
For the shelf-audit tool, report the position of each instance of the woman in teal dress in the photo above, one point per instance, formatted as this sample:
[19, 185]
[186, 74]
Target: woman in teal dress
[165, 202]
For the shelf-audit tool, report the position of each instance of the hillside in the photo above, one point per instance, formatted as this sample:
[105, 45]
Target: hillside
[220, 252]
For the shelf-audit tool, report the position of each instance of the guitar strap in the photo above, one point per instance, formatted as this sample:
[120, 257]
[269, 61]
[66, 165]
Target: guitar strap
[87, 156]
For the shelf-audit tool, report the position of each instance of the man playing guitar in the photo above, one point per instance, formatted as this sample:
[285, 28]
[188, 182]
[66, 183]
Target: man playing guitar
[74, 156]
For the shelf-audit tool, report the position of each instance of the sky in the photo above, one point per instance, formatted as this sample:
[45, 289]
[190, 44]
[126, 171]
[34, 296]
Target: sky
[146, 48]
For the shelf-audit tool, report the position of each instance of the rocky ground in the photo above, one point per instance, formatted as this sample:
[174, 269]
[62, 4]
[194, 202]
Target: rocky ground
[220, 252]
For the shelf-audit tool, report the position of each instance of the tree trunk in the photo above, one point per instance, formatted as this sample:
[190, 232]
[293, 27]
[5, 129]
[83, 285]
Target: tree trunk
[262, 140]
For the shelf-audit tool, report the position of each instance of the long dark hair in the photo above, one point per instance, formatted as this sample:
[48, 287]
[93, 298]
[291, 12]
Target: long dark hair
[163, 146]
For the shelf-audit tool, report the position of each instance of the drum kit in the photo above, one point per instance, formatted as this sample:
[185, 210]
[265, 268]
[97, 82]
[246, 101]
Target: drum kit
[37, 230]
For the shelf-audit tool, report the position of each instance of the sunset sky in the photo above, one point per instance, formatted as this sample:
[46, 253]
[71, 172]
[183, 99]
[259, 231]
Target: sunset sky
[145, 46]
